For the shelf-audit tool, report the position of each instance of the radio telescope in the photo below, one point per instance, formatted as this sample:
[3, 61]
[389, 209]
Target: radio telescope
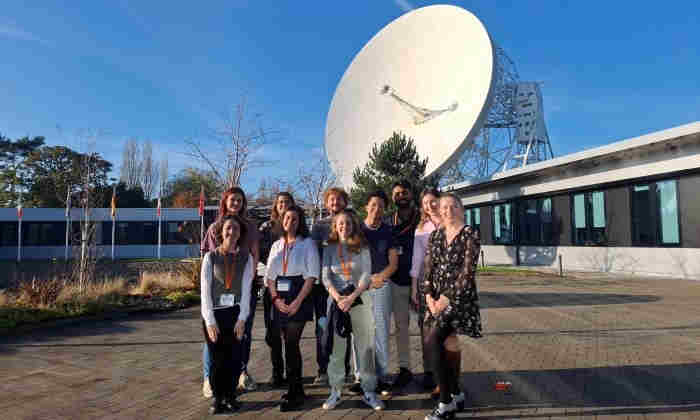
[434, 75]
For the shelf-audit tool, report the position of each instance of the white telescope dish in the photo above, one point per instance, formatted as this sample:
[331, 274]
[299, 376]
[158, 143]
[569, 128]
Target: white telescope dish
[429, 74]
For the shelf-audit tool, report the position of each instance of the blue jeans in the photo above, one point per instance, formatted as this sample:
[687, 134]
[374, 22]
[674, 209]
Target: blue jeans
[382, 315]
[246, 342]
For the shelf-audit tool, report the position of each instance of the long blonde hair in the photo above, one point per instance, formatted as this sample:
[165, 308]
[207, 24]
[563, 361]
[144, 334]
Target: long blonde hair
[357, 240]
[424, 216]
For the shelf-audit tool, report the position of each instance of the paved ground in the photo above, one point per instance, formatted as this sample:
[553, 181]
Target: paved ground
[583, 347]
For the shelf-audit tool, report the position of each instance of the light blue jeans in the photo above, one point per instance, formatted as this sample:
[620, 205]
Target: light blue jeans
[363, 338]
[382, 317]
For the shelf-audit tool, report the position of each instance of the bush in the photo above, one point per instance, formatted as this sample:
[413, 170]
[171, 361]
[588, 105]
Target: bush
[150, 283]
[191, 269]
[184, 298]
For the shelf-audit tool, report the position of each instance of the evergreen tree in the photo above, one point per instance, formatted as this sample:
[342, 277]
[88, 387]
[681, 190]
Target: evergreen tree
[393, 160]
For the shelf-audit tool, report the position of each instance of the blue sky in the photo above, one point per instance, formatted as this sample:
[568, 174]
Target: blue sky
[166, 71]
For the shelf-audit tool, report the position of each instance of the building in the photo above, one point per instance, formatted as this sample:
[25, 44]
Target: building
[631, 207]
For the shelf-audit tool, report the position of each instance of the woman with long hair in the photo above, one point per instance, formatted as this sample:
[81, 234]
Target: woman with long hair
[225, 294]
[233, 202]
[429, 221]
[293, 266]
[346, 274]
[451, 298]
[270, 232]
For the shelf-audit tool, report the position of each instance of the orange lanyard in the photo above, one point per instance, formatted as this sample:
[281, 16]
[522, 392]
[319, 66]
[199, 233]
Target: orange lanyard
[346, 267]
[229, 271]
[285, 257]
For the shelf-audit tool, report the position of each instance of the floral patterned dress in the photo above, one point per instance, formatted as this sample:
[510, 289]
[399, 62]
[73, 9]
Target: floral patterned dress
[450, 270]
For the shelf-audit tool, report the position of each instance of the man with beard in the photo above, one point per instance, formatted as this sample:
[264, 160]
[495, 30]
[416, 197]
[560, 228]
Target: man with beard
[403, 223]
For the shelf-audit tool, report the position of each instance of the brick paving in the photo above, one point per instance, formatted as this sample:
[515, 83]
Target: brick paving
[587, 346]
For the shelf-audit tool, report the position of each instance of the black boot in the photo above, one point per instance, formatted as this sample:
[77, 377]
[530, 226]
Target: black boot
[216, 407]
[293, 399]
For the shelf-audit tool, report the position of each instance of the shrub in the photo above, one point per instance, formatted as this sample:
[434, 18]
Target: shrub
[154, 282]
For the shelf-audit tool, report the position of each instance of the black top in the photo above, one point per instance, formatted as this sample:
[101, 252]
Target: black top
[380, 241]
[404, 232]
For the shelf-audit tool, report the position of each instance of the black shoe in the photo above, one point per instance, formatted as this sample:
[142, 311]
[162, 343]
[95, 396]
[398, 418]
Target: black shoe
[216, 407]
[404, 378]
[278, 381]
[292, 402]
[356, 388]
[428, 381]
[232, 405]
[383, 388]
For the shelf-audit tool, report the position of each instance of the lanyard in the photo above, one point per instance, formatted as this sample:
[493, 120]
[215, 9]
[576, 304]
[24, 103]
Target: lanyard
[285, 256]
[229, 271]
[396, 223]
[345, 267]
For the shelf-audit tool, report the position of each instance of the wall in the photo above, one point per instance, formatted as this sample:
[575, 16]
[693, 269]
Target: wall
[120, 251]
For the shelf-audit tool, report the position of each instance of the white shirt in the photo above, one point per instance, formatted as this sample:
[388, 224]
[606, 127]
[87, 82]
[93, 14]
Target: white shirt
[207, 301]
[302, 259]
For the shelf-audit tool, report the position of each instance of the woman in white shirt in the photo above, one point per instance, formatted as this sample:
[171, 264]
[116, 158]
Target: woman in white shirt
[293, 267]
[429, 221]
[227, 274]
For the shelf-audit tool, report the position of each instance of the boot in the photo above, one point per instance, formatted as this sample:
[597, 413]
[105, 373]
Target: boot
[294, 398]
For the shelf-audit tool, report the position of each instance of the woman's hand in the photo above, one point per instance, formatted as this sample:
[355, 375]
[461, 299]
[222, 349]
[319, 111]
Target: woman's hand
[441, 304]
[345, 302]
[239, 329]
[377, 281]
[213, 333]
[293, 307]
[280, 305]
[430, 303]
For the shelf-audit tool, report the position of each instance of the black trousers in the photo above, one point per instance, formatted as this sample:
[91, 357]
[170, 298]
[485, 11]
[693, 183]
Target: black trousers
[292, 335]
[320, 298]
[435, 343]
[226, 353]
[272, 337]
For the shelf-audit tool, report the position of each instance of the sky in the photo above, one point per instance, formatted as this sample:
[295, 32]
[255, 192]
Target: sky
[168, 71]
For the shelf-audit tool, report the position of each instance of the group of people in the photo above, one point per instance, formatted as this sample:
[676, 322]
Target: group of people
[350, 276]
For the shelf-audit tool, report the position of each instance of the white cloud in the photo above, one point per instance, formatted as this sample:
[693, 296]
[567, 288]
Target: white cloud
[14, 32]
[404, 5]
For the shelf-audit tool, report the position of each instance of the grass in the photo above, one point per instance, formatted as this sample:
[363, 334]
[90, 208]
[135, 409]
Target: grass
[494, 269]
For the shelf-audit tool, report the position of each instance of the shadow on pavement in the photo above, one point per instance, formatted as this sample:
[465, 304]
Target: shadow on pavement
[491, 300]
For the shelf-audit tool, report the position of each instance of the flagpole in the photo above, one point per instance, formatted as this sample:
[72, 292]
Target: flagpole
[19, 229]
[159, 224]
[113, 211]
[113, 230]
[201, 234]
[68, 206]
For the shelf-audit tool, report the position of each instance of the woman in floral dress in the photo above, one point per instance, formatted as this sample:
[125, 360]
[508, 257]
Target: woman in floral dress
[452, 300]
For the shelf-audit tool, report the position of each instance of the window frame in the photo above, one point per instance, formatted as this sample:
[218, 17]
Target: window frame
[652, 184]
[539, 204]
[513, 239]
[472, 211]
[588, 208]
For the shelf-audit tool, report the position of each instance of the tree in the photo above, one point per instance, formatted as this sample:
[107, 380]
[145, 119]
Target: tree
[127, 198]
[13, 170]
[138, 167]
[393, 160]
[235, 146]
[52, 170]
[314, 180]
[183, 190]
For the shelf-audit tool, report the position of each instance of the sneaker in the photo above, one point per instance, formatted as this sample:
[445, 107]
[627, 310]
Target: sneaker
[333, 400]
[370, 398]
[404, 378]
[321, 379]
[356, 388]
[459, 400]
[206, 389]
[383, 388]
[443, 411]
[246, 382]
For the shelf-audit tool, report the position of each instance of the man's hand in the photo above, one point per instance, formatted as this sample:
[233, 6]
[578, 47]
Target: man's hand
[293, 307]
[377, 281]
[345, 302]
[239, 329]
[213, 333]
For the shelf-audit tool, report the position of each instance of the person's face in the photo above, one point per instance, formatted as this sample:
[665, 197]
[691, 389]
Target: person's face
[450, 210]
[234, 203]
[343, 225]
[375, 208]
[401, 196]
[290, 222]
[231, 232]
[430, 205]
[283, 203]
[335, 203]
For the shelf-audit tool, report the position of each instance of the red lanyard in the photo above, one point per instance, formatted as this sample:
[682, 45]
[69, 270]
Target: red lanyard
[229, 270]
[345, 267]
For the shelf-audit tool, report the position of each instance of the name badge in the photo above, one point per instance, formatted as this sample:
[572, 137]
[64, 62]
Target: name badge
[227, 299]
[399, 250]
[283, 285]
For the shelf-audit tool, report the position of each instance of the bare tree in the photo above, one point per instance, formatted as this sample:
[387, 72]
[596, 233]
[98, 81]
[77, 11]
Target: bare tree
[237, 145]
[163, 175]
[130, 171]
[313, 180]
[149, 170]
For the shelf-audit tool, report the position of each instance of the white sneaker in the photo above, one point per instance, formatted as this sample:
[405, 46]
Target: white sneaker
[246, 382]
[370, 398]
[206, 389]
[458, 400]
[443, 411]
[333, 400]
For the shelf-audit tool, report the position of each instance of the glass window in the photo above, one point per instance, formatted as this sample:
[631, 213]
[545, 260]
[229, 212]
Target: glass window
[502, 226]
[472, 217]
[589, 218]
[655, 214]
[535, 221]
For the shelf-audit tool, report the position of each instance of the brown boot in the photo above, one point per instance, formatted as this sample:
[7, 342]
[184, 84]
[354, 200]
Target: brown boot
[435, 393]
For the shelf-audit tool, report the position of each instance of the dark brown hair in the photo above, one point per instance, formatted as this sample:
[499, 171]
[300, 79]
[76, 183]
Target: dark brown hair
[302, 227]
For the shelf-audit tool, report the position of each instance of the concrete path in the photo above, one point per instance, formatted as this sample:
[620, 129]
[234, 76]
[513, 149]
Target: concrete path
[586, 347]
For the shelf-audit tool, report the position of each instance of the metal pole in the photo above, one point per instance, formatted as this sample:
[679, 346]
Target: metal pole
[19, 241]
[561, 267]
[201, 235]
[159, 233]
[483, 261]
[67, 236]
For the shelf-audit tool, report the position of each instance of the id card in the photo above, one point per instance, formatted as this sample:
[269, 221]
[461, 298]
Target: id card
[283, 285]
[227, 299]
